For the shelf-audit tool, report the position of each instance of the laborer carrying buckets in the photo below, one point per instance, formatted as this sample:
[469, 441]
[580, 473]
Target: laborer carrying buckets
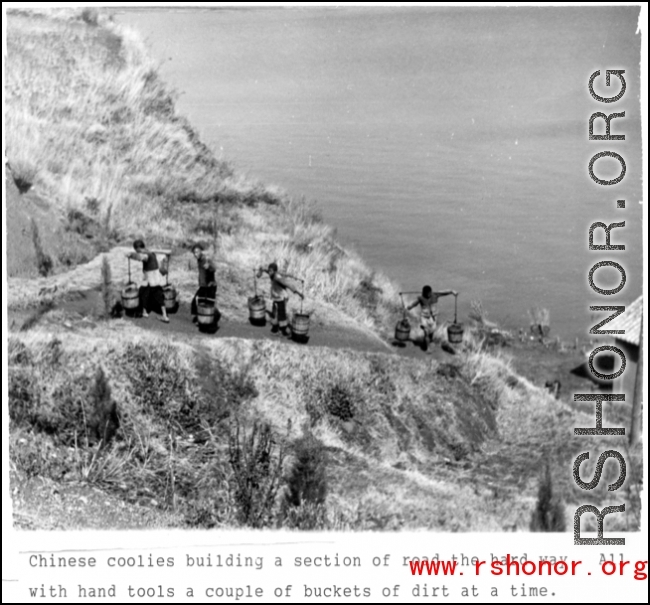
[151, 294]
[207, 279]
[428, 302]
[279, 296]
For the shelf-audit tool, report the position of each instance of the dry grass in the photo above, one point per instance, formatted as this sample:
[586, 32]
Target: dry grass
[364, 454]
[305, 248]
[415, 447]
[92, 125]
[478, 314]
[89, 118]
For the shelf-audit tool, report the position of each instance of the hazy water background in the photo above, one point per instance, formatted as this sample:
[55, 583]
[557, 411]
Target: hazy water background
[449, 146]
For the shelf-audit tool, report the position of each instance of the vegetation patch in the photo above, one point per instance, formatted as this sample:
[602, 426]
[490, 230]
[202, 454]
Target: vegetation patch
[256, 459]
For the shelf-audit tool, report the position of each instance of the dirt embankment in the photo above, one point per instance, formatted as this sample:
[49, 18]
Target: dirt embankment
[22, 209]
[30, 219]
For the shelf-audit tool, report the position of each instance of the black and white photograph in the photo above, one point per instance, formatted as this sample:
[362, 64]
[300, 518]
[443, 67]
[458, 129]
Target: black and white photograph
[336, 268]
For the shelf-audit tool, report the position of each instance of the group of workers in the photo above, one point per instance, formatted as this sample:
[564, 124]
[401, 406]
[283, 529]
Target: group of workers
[152, 295]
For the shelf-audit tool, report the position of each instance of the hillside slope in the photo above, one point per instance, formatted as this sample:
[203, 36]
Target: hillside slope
[94, 130]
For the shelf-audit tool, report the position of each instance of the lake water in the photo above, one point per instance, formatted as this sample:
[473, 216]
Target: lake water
[448, 146]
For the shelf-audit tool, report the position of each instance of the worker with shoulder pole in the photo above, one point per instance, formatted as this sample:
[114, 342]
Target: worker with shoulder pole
[428, 302]
[207, 278]
[152, 295]
[279, 296]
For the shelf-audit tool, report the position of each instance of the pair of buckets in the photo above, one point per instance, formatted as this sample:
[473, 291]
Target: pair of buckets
[131, 294]
[454, 331]
[403, 332]
[257, 316]
[131, 297]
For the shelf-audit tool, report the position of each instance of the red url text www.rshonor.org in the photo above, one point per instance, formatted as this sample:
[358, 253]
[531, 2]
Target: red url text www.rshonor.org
[512, 567]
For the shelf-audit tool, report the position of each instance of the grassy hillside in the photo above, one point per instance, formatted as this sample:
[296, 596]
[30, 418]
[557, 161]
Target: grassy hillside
[112, 425]
[94, 130]
[407, 444]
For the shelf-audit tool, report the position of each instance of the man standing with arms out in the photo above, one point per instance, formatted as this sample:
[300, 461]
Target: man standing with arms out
[428, 302]
[152, 292]
[279, 297]
[207, 278]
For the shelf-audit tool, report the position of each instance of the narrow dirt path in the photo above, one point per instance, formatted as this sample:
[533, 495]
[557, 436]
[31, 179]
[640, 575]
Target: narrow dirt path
[79, 305]
[333, 337]
[77, 293]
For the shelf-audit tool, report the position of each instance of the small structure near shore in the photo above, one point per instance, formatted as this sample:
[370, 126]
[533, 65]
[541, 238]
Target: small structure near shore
[630, 322]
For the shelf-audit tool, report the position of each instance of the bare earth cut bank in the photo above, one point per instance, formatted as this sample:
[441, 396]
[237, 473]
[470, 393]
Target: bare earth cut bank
[118, 422]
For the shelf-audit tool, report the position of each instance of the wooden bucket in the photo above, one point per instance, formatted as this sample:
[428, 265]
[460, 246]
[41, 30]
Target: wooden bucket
[206, 312]
[131, 297]
[257, 308]
[403, 330]
[170, 296]
[300, 326]
[455, 333]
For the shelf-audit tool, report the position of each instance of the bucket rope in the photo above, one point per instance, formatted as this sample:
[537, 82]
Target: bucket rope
[403, 305]
[302, 298]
